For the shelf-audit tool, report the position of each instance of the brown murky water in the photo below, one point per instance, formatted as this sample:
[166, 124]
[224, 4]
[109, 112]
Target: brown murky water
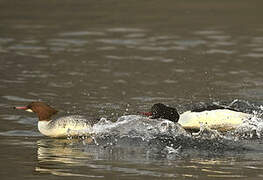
[109, 58]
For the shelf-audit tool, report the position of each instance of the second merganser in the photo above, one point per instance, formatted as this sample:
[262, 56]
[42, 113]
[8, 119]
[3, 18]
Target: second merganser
[215, 117]
[61, 127]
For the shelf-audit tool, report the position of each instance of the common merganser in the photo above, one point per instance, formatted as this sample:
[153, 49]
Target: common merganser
[215, 117]
[61, 127]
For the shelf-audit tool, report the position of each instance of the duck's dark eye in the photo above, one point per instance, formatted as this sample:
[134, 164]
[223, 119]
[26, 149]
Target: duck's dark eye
[154, 110]
[155, 114]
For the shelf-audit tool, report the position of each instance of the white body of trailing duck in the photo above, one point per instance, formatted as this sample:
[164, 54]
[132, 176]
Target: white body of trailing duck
[220, 119]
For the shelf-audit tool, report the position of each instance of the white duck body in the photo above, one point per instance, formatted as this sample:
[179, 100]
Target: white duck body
[65, 127]
[220, 119]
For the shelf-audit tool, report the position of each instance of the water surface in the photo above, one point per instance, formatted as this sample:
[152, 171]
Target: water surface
[112, 58]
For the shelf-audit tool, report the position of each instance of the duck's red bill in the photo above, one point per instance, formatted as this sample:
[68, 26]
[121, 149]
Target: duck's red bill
[146, 113]
[23, 108]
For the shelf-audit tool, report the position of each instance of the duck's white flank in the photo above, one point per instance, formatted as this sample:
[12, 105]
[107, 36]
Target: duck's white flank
[63, 127]
[221, 119]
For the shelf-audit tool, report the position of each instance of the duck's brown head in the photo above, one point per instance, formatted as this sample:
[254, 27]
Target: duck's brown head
[43, 110]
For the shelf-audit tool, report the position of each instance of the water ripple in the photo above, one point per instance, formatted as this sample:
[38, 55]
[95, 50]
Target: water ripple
[220, 51]
[82, 33]
[123, 29]
[67, 42]
[15, 98]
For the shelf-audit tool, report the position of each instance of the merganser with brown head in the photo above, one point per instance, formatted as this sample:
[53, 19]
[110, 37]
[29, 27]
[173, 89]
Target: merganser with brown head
[61, 127]
[214, 116]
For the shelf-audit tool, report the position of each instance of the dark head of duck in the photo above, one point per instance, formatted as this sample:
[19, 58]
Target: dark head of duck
[43, 110]
[160, 110]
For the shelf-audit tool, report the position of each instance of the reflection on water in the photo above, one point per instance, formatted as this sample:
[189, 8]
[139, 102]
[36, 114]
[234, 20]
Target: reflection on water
[76, 158]
[56, 156]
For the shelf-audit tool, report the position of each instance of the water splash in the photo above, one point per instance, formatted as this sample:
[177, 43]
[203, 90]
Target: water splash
[167, 138]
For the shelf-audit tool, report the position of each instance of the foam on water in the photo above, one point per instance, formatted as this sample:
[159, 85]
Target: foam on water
[250, 129]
